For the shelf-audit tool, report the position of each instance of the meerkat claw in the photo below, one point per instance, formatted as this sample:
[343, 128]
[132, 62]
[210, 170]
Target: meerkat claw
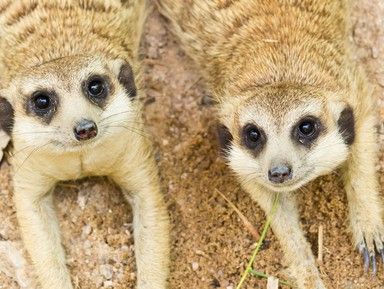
[382, 254]
[369, 257]
[365, 253]
[374, 266]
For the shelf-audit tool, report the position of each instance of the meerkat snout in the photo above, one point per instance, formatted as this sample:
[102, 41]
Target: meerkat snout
[280, 173]
[85, 130]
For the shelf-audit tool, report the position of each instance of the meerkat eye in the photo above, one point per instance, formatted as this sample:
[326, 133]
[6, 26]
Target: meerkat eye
[41, 101]
[43, 104]
[96, 88]
[252, 136]
[307, 130]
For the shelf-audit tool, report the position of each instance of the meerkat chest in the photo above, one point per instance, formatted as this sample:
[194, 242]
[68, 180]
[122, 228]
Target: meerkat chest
[95, 160]
[102, 159]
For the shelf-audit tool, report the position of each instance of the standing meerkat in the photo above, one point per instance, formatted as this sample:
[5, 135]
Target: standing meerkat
[70, 102]
[293, 105]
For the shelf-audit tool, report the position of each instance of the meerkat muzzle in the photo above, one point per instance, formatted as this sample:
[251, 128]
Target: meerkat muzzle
[85, 130]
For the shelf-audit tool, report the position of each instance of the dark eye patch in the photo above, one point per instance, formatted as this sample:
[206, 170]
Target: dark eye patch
[307, 130]
[346, 124]
[6, 116]
[127, 80]
[43, 104]
[225, 138]
[97, 88]
[253, 138]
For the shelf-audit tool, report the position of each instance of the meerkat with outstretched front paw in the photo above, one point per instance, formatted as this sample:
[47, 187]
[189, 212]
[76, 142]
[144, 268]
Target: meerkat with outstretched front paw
[70, 103]
[293, 105]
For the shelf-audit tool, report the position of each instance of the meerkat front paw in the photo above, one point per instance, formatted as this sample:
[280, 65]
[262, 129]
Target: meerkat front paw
[306, 276]
[313, 282]
[369, 244]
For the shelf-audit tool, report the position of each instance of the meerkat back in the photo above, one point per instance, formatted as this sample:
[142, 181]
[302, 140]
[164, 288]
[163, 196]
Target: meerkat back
[70, 103]
[293, 105]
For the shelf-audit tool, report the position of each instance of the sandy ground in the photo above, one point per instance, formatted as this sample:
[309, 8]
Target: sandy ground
[210, 245]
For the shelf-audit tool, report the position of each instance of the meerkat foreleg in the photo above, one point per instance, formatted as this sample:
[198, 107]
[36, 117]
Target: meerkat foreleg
[151, 239]
[39, 228]
[286, 227]
[150, 222]
[365, 208]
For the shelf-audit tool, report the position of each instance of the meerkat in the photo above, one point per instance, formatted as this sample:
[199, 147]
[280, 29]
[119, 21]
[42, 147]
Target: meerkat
[70, 104]
[292, 105]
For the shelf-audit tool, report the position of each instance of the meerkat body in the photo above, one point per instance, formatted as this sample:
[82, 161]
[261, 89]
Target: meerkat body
[292, 104]
[71, 84]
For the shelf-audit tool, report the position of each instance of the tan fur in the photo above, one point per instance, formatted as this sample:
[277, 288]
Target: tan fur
[271, 63]
[56, 45]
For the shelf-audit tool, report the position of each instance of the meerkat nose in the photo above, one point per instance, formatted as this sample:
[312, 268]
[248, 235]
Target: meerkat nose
[280, 173]
[85, 129]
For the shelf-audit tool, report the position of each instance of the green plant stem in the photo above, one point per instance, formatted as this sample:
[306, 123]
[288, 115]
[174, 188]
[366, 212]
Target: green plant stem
[260, 242]
[264, 275]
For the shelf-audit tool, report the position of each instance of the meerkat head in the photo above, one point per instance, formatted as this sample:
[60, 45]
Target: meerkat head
[70, 103]
[282, 137]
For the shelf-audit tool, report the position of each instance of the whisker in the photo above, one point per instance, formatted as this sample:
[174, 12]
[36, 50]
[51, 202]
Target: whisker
[115, 114]
[123, 122]
[330, 169]
[126, 125]
[33, 132]
[21, 150]
[33, 151]
[132, 129]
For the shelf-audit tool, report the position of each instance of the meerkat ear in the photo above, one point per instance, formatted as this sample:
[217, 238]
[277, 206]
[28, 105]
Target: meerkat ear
[346, 124]
[6, 124]
[124, 74]
[225, 138]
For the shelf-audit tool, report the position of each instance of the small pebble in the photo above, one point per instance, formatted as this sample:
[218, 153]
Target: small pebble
[108, 284]
[87, 229]
[106, 271]
[195, 266]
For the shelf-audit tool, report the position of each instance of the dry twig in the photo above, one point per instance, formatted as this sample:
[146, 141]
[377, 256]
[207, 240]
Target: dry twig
[248, 225]
[320, 244]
